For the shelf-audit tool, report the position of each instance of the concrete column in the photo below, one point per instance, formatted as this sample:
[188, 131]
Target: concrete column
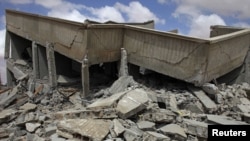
[85, 77]
[35, 60]
[123, 71]
[10, 78]
[51, 65]
[7, 45]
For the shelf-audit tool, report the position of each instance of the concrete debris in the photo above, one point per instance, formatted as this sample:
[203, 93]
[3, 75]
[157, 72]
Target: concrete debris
[121, 84]
[196, 128]
[195, 107]
[224, 120]
[146, 125]
[175, 131]
[118, 127]
[210, 88]
[28, 107]
[7, 115]
[6, 101]
[209, 105]
[160, 116]
[154, 136]
[132, 103]
[31, 127]
[86, 129]
[109, 102]
[128, 110]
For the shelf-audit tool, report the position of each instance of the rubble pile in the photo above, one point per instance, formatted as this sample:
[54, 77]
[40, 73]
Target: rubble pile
[124, 111]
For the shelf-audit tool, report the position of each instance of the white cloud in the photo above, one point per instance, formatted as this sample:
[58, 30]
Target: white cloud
[242, 24]
[235, 8]
[107, 13]
[138, 13]
[2, 62]
[20, 1]
[200, 26]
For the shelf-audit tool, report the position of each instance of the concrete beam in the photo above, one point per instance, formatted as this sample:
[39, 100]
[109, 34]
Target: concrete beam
[35, 60]
[51, 65]
[85, 77]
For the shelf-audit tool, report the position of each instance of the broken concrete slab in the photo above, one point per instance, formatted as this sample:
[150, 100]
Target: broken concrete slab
[133, 134]
[28, 107]
[7, 115]
[223, 120]
[196, 128]
[132, 103]
[243, 108]
[210, 88]
[175, 131]
[146, 125]
[121, 84]
[110, 102]
[118, 127]
[21, 62]
[87, 128]
[244, 101]
[154, 136]
[73, 114]
[6, 101]
[205, 100]
[31, 127]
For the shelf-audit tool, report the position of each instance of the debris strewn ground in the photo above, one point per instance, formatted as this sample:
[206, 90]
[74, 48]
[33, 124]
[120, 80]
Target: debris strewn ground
[124, 111]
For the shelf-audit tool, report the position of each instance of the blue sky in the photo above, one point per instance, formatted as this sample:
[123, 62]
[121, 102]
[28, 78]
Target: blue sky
[191, 17]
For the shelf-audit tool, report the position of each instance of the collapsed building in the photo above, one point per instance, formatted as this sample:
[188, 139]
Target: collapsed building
[51, 62]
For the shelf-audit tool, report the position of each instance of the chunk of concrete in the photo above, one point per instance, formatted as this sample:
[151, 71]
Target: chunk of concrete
[223, 120]
[55, 137]
[210, 88]
[154, 136]
[146, 125]
[132, 103]
[174, 130]
[31, 127]
[168, 99]
[87, 128]
[133, 134]
[195, 107]
[118, 127]
[28, 107]
[50, 130]
[73, 114]
[4, 133]
[161, 116]
[7, 115]
[196, 128]
[205, 100]
[109, 102]
[244, 101]
[121, 84]
[33, 137]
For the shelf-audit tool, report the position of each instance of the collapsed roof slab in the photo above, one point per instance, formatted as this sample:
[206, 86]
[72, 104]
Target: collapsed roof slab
[186, 58]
